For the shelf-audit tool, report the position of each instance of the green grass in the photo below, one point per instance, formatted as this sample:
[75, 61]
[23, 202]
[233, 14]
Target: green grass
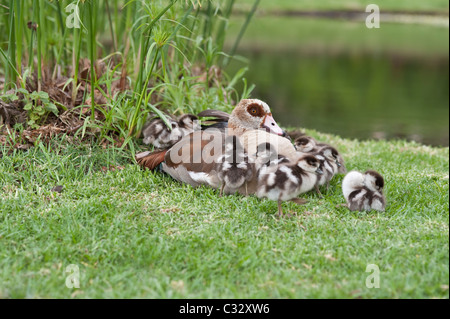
[407, 5]
[134, 233]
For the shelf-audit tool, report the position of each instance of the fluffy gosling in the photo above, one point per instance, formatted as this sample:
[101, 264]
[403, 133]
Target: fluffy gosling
[233, 168]
[285, 182]
[364, 192]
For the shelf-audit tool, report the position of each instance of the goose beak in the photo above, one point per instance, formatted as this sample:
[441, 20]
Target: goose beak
[319, 171]
[272, 126]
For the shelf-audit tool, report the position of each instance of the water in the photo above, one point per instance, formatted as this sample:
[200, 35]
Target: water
[360, 96]
[339, 77]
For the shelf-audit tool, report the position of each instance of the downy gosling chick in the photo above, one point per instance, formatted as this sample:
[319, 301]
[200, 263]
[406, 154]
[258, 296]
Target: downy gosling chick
[329, 164]
[160, 136]
[308, 145]
[157, 133]
[286, 181]
[188, 123]
[233, 168]
[267, 155]
[364, 192]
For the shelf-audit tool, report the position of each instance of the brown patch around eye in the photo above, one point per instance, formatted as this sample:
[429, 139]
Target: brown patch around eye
[255, 110]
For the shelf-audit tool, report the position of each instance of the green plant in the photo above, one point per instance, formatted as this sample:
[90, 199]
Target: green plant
[37, 104]
[164, 55]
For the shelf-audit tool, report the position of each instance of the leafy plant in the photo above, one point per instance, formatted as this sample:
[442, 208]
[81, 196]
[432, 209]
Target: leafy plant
[37, 104]
[165, 55]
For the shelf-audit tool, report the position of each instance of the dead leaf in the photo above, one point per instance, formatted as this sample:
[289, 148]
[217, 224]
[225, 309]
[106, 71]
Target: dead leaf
[330, 257]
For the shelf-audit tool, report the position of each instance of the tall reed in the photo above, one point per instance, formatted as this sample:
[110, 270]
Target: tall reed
[162, 52]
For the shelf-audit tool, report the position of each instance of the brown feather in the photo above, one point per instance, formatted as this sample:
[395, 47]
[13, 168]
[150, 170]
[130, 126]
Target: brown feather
[193, 160]
[215, 114]
[151, 160]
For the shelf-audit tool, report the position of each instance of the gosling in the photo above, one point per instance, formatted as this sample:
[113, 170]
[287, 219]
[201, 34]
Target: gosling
[306, 144]
[364, 192]
[188, 123]
[158, 134]
[233, 168]
[285, 182]
[330, 164]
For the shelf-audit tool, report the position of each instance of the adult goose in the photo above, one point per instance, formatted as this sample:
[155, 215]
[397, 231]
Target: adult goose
[193, 159]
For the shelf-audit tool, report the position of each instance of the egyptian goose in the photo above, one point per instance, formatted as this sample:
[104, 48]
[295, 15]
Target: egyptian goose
[286, 181]
[215, 119]
[193, 159]
[233, 168]
[364, 192]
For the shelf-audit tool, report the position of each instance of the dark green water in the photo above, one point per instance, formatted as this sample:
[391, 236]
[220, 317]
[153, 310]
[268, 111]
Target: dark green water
[356, 96]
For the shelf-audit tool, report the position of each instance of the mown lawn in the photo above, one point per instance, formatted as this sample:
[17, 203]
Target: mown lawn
[133, 233]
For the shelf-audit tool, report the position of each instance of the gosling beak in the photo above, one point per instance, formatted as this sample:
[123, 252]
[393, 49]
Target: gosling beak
[319, 171]
[338, 164]
[271, 126]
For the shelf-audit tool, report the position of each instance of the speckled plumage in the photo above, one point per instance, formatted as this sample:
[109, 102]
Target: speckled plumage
[285, 182]
[233, 168]
[364, 192]
[329, 163]
[193, 160]
[160, 136]
[309, 145]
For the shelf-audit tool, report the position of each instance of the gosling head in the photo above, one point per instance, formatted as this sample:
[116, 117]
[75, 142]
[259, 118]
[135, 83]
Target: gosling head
[158, 134]
[305, 144]
[189, 122]
[310, 164]
[234, 149]
[331, 154]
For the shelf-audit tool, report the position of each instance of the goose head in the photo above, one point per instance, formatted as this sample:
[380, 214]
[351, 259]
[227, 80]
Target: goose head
[252, 114]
